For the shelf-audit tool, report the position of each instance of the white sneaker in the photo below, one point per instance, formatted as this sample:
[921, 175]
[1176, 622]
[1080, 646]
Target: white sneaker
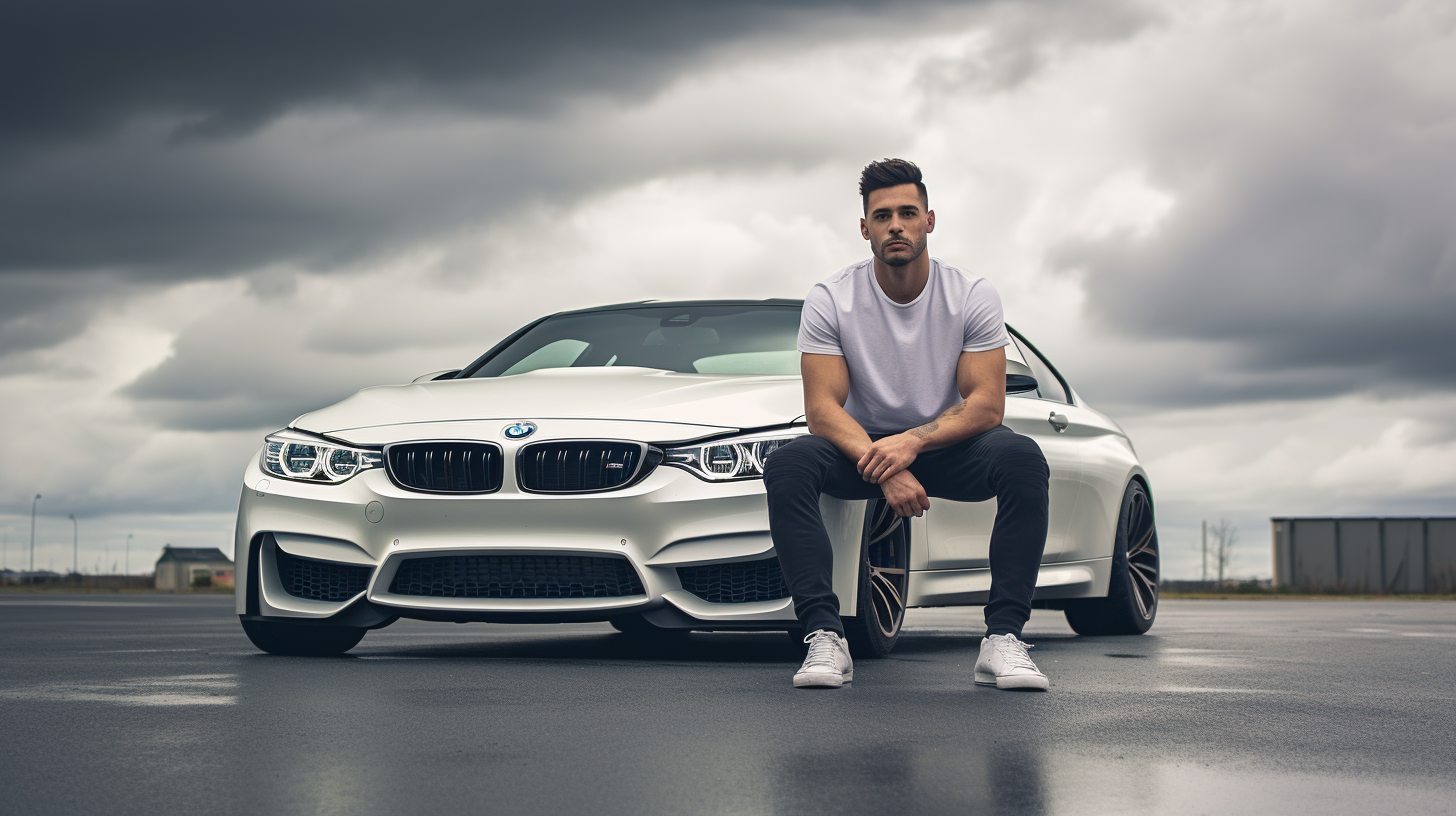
[827, 665]
[1005, 664]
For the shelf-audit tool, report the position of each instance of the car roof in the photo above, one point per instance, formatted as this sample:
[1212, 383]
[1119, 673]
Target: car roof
[636, 304]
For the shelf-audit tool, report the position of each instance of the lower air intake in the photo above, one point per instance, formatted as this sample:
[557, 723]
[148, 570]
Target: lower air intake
[517, 576]
[743, 582]
[320, 580]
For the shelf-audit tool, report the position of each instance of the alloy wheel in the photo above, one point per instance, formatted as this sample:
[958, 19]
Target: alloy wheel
[887, 543]
[1142, 554]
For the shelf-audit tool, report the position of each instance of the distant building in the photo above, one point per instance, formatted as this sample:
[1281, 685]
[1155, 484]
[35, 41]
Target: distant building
[1376, 555]
[189, 567]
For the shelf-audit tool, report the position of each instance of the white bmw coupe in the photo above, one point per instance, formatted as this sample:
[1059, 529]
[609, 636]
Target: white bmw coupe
[606, 465]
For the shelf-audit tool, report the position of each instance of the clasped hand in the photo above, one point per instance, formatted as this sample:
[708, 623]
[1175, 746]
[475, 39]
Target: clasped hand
[885, 464]
[887, 457]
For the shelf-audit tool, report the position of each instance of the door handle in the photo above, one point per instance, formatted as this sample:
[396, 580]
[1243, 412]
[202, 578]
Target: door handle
[1059, 421]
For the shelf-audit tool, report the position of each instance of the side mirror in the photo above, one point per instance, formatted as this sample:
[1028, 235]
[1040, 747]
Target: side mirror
[1019, 379]
[436, 375]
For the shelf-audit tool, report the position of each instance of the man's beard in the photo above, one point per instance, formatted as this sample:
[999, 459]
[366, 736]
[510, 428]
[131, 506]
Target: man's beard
[916, 250]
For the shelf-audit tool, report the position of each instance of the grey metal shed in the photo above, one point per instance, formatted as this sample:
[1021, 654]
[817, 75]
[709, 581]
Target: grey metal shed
[180, 566]
[1378, 555]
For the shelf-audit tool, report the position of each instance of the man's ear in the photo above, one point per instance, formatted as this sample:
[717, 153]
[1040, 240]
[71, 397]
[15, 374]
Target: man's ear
[929, 221]
[864, 229]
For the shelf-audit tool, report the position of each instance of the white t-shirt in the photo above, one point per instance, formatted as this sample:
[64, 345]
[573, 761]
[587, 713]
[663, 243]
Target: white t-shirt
[902, 357]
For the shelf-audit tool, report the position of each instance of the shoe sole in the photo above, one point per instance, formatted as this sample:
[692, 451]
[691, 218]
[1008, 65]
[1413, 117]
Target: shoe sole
[823, 680]
[1015, 681]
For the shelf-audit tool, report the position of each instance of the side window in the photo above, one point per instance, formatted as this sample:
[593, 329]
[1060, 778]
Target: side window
[1048, 387]
[1013, 352]
[1013, 355]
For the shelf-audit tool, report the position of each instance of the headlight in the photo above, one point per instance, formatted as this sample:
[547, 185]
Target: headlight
[726, 460]
[306, 458]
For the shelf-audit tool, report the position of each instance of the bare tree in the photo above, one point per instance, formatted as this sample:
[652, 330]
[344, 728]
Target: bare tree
[1224, 536]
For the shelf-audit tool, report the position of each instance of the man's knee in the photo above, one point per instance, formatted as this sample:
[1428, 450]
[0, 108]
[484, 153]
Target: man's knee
[1019, 457]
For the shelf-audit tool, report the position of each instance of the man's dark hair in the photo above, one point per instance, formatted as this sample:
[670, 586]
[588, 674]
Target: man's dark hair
[890, 173]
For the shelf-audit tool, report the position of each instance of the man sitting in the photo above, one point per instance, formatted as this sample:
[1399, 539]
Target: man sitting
[903, 341]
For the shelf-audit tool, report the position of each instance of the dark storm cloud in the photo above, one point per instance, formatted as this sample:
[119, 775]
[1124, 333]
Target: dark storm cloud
[1311, 249]
[114, 111]
[1027, 38]
[214, 382]
[143, 140]
[38, 310]
[75, 69]
[135, 135]
[147, 214]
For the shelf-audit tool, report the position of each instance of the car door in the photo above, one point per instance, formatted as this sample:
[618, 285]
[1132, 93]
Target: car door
[959, 533]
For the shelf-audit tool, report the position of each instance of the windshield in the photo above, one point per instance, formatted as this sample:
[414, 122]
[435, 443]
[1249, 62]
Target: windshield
[747, 339]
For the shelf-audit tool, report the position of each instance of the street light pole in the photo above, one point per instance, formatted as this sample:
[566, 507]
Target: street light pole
[128, 554]
[32, 532]
[1205, 553]
[75, 545]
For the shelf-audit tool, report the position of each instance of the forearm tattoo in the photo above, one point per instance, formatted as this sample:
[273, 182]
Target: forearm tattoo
[934, 425]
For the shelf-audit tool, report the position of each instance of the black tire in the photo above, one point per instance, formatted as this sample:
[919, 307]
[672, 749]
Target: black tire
[1132, 594]
[884, 573]
[302, 640]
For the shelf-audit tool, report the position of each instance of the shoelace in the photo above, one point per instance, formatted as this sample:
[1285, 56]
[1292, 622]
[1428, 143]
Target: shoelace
[1013, 651]
[821, 649]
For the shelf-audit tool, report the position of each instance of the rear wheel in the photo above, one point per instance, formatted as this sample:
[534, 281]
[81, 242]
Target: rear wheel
[302, 640]
[884, 576]
[1132, 594]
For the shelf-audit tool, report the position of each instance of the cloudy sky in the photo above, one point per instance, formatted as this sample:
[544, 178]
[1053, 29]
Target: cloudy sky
[1229, 223]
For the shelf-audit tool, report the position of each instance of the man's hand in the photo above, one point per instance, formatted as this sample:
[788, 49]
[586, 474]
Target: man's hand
[888, 456]
[905, 495]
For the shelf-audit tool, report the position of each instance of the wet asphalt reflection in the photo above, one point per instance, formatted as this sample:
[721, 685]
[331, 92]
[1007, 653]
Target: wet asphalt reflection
[158, 704]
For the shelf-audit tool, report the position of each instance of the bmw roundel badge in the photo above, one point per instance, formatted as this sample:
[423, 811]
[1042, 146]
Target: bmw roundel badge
[519, 430]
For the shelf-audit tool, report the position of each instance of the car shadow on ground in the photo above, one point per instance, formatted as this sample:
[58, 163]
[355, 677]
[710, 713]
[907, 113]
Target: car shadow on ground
[695, 647]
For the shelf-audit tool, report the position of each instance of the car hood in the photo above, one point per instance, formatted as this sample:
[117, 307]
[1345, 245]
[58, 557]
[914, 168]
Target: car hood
[713, 402]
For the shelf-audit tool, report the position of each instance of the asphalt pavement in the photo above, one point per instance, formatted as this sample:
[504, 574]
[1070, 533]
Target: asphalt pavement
[158, 704]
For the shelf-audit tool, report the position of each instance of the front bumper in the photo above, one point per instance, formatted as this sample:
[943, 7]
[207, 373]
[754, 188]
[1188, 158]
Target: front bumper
[667, 521]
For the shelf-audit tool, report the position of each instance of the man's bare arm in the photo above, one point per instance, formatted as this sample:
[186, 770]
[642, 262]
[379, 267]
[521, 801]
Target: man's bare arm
[981, 379]
[826, 387]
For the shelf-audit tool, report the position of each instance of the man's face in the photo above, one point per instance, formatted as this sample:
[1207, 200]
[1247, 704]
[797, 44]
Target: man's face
[896, 224]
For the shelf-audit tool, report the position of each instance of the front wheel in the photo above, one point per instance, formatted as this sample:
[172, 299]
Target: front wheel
[302, 640]
[884, 578]
[1132, 594]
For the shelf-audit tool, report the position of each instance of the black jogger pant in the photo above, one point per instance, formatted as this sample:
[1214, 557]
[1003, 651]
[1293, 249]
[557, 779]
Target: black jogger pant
[998, 463]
